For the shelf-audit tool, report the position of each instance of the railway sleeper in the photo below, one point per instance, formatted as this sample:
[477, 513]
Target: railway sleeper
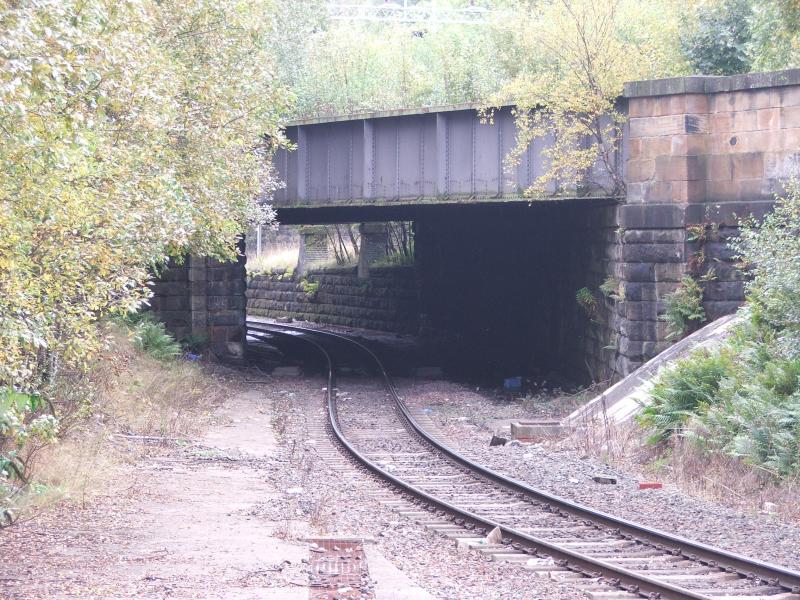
[633, 562]
[546, 531]
[611, 595]
[599, 544]
[642, 552]
[687, 576]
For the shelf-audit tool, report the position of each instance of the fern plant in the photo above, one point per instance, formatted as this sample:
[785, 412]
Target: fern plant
[684, 308]
[612, 288]
[684, 392]
[152, 338]
[588, 303]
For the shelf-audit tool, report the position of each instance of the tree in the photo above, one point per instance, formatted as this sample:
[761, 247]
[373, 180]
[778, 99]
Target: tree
[129, 132]
[775, 35]
[771, 249]
[719, 42]
[346, 67]
[572, 58]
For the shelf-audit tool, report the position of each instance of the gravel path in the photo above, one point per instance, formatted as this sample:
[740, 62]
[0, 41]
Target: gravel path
[468, 419]
[229, 516]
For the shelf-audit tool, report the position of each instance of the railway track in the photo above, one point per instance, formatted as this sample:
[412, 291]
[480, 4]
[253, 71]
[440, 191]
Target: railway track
[606, 556]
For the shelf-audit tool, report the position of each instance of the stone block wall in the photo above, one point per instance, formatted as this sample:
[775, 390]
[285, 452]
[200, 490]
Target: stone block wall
[315, 249]
[701, 153]
[204, 298]
[374, 246]
[387, 301]
[590, 343]
[171, 300]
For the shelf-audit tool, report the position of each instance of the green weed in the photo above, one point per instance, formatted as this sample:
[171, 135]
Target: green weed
[152, 338]
[684, 308]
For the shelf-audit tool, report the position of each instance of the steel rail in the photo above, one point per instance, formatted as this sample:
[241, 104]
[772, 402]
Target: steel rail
[630, 581]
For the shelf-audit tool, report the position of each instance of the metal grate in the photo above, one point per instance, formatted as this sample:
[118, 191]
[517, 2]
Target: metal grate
[339, 570]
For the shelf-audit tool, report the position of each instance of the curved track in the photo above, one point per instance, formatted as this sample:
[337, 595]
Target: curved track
[609, 553]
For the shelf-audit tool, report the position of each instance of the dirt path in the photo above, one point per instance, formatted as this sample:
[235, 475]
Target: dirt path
[182, 530]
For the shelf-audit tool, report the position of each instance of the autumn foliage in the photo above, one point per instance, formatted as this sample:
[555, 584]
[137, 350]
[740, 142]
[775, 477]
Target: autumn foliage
[129, 132]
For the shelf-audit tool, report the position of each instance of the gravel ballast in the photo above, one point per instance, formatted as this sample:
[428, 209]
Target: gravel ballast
[339, 503]
[468, 419]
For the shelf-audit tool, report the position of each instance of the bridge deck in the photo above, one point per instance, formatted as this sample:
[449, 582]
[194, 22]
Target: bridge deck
[434, 156]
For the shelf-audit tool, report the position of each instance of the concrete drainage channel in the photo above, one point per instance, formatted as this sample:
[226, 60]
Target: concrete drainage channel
[507, 520]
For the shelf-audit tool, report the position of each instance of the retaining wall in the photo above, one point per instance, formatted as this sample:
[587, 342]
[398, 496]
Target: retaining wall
[387, 301]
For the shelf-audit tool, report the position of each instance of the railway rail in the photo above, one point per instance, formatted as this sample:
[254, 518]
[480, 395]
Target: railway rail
[607, 556]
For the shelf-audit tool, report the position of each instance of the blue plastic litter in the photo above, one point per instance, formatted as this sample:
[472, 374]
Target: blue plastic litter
[190, 356]
[513, 383]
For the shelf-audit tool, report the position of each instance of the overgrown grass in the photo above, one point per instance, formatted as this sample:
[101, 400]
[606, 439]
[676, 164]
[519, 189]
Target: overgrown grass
[282, 259]
[396, 259]
[131, 401]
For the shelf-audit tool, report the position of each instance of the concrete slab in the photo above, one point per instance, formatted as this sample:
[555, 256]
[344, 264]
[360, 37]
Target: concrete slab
[390, 582]
[537, 430]
[619, 403]
[248, 430]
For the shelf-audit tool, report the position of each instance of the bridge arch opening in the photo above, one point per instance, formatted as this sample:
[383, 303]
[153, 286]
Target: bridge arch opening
[501, 282]
[491, 291]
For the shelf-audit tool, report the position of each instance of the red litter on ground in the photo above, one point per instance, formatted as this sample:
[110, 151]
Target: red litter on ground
[650, 485]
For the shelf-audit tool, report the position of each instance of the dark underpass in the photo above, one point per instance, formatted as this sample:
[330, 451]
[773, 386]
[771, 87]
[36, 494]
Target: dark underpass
[495, 292]
[502, 284]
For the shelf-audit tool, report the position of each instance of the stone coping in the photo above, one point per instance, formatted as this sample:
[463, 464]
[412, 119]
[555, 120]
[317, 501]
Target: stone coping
[710, 84]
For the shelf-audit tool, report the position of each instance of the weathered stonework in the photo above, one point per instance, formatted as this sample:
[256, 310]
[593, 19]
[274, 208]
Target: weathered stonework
[171, 300]
[205, 299]
[387, 301]
[373, 246]
[701, 152]
[315, 250]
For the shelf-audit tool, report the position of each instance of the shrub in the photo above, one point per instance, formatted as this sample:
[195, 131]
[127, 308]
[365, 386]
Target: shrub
[588, 303]
[684, 308]
[758, 424]
[612, 288]
[21, 424]
[152, 338]
[744, 399]
[310, 289]
[772, 250]
[683, 392]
